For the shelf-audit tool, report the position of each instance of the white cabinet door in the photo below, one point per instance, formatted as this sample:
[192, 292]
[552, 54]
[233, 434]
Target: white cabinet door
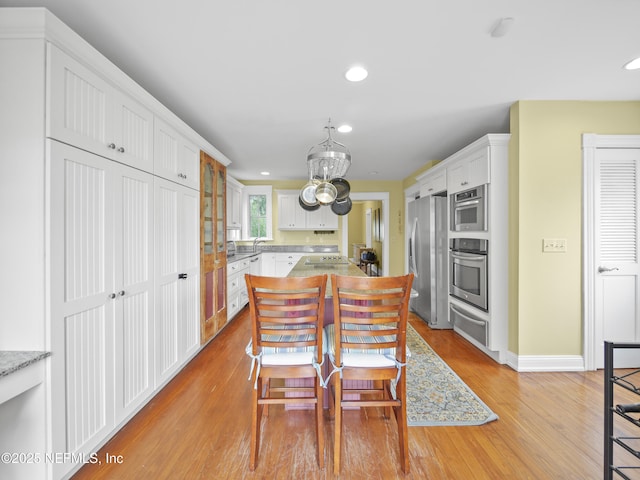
[85, 111]
[133, 271]
[174, 157]
[80, 105]
[322, 219]
[434, 184]
[176, 276]
[268, 264]
[234, 204]
[468, 173]
[291, 216]
[133, 133]
[83, 299]
[285, 263]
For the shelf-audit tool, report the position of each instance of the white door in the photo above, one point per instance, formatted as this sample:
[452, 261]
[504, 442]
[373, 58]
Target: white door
[613, 269]
[133, 273]
[83, 299]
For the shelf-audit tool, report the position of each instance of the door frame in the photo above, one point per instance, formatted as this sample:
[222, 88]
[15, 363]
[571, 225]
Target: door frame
[590, 143]
[364, 196]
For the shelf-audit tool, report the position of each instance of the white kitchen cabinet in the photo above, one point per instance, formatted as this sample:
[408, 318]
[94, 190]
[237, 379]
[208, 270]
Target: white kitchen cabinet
[285, 262]
[433, 181]
[291, 216]
[322, 219]
[177, 267]
[268, 264]
[87, 112]
[101, 301]
[234, 204]
[175, 158]
[237, 286]
[255, 265]
[468, 172]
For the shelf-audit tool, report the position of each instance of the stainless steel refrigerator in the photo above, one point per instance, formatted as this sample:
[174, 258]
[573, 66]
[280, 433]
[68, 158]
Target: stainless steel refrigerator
[428, 250]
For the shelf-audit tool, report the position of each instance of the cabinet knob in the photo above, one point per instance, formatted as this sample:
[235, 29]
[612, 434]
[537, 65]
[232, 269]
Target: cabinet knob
[112, 146]
[182, 276]
[121, 149]
[121, 293]
[112, 296]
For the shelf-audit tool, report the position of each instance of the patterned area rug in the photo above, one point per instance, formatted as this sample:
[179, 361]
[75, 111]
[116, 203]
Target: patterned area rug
[435, 394]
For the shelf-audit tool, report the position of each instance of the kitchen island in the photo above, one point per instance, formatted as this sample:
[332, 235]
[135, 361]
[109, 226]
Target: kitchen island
[309, 266]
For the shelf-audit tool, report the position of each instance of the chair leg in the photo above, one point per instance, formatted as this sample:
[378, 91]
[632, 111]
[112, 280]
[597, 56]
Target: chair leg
[337, 435]
[401, 420]
[320, 422]
[267, 394]
[256, 418]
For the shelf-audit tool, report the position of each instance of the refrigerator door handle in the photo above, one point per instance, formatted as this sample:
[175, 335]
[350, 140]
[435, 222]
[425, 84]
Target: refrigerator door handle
[412, 247]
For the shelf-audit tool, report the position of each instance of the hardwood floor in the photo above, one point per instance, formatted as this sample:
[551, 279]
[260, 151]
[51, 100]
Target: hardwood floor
[198, 427]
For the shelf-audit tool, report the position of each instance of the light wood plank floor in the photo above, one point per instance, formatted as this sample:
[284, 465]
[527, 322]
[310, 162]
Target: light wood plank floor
[198, 427]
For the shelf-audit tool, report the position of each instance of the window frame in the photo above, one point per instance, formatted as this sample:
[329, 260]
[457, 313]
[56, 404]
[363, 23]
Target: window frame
[247, 191]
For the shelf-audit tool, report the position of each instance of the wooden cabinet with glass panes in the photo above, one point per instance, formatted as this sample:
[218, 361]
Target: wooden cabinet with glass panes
[213, 257]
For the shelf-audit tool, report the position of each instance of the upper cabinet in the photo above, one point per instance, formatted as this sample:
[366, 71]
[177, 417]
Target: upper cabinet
[176, 159]
[87, 112]
[468, 172]
[291, 216]
[435, 182]
[234, 204]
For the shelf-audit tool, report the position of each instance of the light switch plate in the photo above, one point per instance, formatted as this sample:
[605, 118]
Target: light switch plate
[554, 245]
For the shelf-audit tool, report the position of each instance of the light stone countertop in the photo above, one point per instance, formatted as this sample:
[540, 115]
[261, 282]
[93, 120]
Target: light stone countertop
[302, 269]
[12, 361]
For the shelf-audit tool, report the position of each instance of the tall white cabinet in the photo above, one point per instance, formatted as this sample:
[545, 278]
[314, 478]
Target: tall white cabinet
[99, 191]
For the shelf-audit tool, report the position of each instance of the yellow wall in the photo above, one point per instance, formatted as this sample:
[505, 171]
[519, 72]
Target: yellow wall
[547, 179]
[396, 212]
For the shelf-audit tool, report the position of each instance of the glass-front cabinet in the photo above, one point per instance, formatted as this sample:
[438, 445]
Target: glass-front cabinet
[212, 247]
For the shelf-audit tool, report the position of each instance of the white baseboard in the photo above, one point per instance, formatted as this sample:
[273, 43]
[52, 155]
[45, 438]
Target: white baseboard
[545, 363]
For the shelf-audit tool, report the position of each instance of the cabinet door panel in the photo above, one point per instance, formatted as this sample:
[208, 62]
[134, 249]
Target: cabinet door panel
[166, 274]
[82, 310]
[134, 133]
[79, 109]
[133, 199]
[189, 241]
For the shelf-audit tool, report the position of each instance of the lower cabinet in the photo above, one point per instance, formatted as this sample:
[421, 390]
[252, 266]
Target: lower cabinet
[177, 284]
[102, 304]
[237, 286]
[285, 263]
[124, 253]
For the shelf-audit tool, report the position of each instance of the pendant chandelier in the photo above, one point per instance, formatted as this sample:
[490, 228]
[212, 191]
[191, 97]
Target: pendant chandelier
[327, 165]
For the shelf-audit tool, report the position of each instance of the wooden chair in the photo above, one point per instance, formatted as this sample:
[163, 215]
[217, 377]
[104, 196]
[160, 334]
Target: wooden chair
[286, 343]
[368, 342]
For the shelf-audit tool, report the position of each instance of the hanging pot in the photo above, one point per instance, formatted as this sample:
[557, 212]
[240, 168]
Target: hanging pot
[308, 208]
[341, 207]
[342, 186]
[308, 193]
[326, 193]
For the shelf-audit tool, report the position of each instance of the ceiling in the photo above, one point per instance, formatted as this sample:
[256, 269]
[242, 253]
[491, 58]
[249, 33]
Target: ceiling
[259, 79]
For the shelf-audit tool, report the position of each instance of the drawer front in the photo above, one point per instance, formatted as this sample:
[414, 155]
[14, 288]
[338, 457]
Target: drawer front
[476, 328]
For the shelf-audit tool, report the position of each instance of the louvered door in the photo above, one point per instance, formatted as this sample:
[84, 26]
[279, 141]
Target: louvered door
[617, 289]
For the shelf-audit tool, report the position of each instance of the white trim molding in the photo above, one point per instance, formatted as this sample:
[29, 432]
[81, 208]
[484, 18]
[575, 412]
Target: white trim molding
[591, 142]
[545, 363]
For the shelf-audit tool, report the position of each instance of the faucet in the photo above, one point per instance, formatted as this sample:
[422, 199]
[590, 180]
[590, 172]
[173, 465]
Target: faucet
[256, 241]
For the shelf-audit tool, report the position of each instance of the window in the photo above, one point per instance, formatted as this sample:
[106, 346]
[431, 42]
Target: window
[257, 215]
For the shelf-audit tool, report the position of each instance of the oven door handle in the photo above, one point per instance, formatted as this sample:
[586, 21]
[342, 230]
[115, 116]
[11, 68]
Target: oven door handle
[481, 323]
[463, 256]
[467, 203]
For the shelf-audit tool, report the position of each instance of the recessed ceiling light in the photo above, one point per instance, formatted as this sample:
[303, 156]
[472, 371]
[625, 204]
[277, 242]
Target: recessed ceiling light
[633, 64]
[356, 74]
[373, 172]
[265, 173]
[345, 128]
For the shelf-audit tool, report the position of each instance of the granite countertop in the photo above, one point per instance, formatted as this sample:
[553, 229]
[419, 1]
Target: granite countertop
[302, 269]
[243, 249]
[241, 256]
[12, 361]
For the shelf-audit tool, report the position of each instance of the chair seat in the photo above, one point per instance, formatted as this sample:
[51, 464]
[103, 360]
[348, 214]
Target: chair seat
[288, 355]
[359, 357]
